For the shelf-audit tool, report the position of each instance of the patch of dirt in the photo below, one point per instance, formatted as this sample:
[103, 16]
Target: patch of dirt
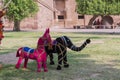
[8, 58]
[94, 75]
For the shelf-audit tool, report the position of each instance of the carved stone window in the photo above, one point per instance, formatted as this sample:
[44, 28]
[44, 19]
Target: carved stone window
[80, 16]
[60, 17]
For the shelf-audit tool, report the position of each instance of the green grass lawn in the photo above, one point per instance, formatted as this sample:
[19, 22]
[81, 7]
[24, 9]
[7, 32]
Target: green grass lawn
[100, 60]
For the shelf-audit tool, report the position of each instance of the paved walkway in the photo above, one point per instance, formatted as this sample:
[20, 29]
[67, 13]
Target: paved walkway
[102, 31]
[99, 31]
[87, 30]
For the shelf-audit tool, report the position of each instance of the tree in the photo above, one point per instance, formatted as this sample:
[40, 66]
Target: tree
[98, 8]
[20, 9]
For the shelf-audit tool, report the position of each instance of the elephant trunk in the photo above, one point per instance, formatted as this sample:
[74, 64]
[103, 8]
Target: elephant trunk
[74, 48]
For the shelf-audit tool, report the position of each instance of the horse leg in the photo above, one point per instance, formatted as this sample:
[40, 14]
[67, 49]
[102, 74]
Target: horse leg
[60, 58]
[45, 66]
[39, 65]
[44, 60]
[51, 59]
[25, 62]
[66, 65]
[19, 62]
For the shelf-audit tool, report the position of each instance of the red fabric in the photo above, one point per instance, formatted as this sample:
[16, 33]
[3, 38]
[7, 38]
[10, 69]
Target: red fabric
[39, 53]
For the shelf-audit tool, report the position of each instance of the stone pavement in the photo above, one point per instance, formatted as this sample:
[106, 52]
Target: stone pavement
[109, 31]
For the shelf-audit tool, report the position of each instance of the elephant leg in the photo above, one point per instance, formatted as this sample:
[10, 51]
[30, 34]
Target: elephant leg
[66, 65]
[25, 62]
[51, 59]
[60, 58]
[19, 62]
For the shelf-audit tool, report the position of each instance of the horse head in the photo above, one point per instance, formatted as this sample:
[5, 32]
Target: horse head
[45, 39]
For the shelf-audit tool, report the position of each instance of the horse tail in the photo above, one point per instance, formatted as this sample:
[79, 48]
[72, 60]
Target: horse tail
[74, 48]
[18, 52]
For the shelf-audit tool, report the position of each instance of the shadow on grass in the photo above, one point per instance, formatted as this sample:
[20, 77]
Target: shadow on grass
[82, 67]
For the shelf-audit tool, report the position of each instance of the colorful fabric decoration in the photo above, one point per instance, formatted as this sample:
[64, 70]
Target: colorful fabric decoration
[37, 54]
[59, 46]
[28, 50]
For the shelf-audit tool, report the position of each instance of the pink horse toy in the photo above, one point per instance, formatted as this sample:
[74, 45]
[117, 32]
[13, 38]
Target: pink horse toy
[37, 54]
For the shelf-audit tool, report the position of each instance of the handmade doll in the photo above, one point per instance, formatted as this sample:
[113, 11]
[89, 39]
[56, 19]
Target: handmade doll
[39, 54]
[59, 46]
